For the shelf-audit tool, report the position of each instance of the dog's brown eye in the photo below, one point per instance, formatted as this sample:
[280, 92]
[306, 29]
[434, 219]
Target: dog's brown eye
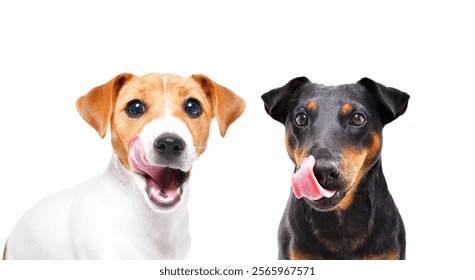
[357, 119]
[301, 119]
[135, 108]
[193, 108]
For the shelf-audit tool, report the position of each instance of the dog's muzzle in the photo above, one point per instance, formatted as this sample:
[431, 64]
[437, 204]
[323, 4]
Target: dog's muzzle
[163, 181]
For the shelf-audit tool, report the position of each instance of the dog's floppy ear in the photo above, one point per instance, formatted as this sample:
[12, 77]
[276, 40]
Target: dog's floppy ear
[393, 102]
[227, 106]
[275, 101]
[97, 106]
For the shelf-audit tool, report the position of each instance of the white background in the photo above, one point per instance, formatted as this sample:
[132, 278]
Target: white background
[52, 52]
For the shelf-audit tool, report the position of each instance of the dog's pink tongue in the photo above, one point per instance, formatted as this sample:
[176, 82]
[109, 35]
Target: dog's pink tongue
[304, 183]
[162, 186]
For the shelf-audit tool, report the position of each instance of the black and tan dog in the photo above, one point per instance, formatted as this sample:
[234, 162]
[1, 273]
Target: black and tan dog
[340, 207]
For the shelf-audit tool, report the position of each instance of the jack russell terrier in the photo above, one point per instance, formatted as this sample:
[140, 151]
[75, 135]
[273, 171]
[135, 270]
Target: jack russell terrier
[137, 209]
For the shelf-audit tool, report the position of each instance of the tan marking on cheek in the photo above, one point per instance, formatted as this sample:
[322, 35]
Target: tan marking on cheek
[300, 155]
[345, 203]
[351, 164]
[148, 89]
[120, 149]
[290, 150]
[351, 167]
[346, 108]
[375, 148]
[355, 164]
[297, 155]
[312, 105]
[299, 255]
[121, 136]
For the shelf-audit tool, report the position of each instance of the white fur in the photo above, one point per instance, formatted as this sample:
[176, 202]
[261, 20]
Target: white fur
[109, 216]
[166, 124]
[167, 109]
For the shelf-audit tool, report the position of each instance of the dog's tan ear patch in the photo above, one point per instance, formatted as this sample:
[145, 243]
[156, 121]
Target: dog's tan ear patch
[97, 106]
[227, 106]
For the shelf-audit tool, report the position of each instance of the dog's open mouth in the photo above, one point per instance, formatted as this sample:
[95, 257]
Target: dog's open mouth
[164, 187]
[164, 184]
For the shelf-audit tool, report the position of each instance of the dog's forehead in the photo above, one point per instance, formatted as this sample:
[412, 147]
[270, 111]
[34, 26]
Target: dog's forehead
[161, 82]
[332, 94]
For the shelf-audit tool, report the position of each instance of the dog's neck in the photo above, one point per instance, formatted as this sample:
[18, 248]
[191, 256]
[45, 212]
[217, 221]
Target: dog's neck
[163, 229]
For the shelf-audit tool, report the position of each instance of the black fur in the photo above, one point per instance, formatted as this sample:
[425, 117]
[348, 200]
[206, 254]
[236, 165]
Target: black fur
[369, 226]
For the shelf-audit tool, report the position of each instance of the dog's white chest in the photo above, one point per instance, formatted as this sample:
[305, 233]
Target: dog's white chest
[103, 218]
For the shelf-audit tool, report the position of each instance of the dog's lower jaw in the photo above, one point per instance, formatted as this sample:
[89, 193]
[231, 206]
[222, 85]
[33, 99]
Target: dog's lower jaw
[328, 204]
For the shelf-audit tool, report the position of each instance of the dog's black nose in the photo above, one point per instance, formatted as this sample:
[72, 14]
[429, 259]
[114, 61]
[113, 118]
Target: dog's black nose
[169, 145]
[326, 171]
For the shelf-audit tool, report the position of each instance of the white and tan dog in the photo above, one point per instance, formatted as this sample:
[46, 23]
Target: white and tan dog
[137, 209]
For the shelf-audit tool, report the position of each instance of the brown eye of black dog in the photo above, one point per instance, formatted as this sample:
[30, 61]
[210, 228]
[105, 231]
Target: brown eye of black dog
[301, 119]
[357, 120]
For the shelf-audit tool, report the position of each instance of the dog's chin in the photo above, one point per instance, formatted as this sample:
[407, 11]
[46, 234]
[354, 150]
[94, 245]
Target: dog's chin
[327, 204]
[159, 199]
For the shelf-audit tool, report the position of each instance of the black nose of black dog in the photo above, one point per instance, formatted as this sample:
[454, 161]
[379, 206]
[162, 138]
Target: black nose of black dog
[326, 171]
[169, 145]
